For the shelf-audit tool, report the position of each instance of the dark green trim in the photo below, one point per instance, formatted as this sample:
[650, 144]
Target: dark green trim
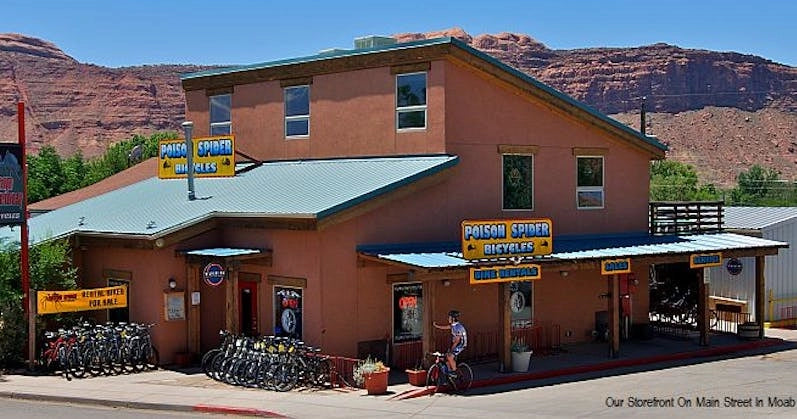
[317, 57]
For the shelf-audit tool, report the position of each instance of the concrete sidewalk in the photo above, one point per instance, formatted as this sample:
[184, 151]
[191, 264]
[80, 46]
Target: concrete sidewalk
[193, 391]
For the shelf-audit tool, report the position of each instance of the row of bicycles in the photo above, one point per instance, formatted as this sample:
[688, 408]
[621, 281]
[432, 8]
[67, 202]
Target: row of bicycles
[268, 362]
[106, 349]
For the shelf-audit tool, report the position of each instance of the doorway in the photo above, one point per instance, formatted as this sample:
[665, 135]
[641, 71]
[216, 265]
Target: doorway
[247, 295]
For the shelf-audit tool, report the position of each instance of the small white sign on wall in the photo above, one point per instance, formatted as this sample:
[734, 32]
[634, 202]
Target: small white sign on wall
[195, 298]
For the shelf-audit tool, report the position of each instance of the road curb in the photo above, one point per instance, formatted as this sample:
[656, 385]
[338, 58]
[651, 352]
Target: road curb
[515, 378]
[232, 410]
[204, 408]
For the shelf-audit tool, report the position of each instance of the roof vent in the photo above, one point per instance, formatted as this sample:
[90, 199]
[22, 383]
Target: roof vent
[332, 51]
[373, 41]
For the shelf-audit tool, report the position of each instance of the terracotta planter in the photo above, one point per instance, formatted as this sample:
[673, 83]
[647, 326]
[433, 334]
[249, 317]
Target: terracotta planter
[376, 382]
[417, 377]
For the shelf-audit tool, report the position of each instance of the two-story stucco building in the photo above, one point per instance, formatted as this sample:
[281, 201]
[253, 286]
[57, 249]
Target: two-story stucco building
[344, 227]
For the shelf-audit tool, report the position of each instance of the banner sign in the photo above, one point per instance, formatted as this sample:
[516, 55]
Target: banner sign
[213, 157]
[704, 260]
[407, 312]
[615, 266]
[81, 300]
[506, 273]
[11, 195]
[491, 239]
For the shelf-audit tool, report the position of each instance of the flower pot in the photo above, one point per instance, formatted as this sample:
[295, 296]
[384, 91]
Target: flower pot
[417, 377]
[521, 361]
[376, 382]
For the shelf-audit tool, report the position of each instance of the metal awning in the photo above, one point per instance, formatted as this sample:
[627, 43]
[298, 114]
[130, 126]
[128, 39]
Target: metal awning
[227, 254]
[576, 249]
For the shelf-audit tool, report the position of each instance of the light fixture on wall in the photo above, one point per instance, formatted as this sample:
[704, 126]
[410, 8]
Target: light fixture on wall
[172, 283]
[564, 274]
[446, 282]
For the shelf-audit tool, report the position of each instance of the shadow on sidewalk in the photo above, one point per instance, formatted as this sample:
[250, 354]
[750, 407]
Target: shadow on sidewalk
[486, 388]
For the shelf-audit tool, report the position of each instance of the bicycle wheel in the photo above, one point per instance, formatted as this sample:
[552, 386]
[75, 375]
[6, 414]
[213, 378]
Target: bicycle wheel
[76, 366]
[322, 374]
[464, 378]
[207, 361]
[151, 357]
[433, 377]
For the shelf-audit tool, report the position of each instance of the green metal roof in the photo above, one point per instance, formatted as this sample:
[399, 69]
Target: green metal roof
[312, 189]
[429, 42]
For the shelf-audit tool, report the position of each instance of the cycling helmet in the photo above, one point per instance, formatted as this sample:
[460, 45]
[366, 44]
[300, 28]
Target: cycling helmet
[454, 314]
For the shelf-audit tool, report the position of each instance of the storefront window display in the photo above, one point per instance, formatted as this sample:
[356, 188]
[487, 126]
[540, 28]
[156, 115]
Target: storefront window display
[520, 303]
[407, 312]
[288, 312]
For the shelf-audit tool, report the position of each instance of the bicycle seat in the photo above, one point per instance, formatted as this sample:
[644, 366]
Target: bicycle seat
[437, 353]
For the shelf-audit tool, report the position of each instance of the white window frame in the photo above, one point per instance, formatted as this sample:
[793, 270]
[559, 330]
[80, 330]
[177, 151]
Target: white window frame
[532, 182]
[295, 117]
[601, 189]
[414, 108]
[227, 123]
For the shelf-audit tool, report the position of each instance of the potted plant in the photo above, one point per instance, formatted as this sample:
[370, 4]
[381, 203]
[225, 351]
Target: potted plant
[417, 375]
[371, 375]
[521, 355]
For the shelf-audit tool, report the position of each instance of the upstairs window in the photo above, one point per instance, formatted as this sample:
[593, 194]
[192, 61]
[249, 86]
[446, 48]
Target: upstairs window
[589, 190]
[220, 121]
[411, 101]
[297, 111]
[518, 186]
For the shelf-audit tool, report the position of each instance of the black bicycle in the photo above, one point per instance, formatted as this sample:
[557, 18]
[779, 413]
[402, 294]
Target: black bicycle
[438, 378]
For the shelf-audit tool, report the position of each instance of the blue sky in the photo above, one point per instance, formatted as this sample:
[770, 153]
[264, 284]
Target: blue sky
[134, 32]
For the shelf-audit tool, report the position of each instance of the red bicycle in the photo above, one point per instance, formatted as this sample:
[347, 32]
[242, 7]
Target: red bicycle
[59, 352]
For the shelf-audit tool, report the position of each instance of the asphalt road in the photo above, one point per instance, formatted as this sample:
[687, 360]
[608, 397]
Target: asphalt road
[14, 409]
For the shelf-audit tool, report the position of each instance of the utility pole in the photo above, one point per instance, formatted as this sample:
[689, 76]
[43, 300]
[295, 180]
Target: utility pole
[642, 117]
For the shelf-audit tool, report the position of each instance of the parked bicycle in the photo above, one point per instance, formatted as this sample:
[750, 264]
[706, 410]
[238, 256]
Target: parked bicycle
[270, 362]
[112, 348]
[438, 377]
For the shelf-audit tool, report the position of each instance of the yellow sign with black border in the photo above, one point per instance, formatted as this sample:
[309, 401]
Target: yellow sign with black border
[615, 266]
[505, 273]
[48, 302]
[492, 239]
[705, 260]
[212, 157]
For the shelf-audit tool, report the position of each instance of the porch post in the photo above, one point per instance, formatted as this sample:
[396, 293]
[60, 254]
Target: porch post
[428, 317]
[231, 318]
[759, 295]
[614, 316]
[505, 335]
[192, 279]
[702, 306]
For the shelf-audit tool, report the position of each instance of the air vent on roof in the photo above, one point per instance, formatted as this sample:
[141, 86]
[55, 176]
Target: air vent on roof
[330, 51]
[373, 41]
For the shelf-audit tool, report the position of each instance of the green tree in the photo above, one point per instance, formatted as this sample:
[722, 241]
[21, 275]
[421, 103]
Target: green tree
[74, 172]
[762, 186]
[45, 174]
[50, 269]
[674, 181]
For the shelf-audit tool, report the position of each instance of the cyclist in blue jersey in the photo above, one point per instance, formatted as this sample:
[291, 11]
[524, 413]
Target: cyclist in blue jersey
[459, 339]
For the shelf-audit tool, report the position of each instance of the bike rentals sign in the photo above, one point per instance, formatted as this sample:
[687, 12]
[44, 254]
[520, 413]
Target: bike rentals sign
[49, 302]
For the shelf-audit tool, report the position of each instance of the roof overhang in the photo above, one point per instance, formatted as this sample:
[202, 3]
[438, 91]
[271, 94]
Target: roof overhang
[578, 254]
